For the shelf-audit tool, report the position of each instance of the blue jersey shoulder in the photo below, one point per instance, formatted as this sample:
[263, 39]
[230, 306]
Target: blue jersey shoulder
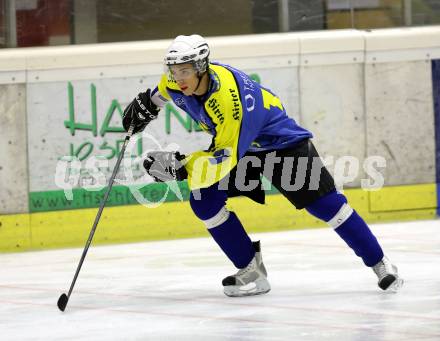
[265, 123]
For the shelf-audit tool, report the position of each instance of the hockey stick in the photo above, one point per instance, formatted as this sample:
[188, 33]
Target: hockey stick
[62, 301]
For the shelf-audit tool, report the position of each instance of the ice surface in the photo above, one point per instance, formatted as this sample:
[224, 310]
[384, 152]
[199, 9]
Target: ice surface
[171, 290]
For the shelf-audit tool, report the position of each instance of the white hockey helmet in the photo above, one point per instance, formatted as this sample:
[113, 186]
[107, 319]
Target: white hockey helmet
[188, 49]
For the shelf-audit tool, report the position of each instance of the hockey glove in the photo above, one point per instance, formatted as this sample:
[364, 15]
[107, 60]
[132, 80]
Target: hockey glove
[165, 166]
[140, 112]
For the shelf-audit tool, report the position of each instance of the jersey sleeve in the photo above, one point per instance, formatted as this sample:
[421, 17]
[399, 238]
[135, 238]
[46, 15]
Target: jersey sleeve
[160, 95]
[206, 168]
[157, 98]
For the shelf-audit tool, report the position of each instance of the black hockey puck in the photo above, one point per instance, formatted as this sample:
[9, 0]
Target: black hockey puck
[62, 302]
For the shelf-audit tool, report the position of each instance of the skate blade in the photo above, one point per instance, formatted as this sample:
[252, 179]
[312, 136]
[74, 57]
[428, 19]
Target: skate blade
[391, 283]
[250, 289]
[396, 285]
[244, 294]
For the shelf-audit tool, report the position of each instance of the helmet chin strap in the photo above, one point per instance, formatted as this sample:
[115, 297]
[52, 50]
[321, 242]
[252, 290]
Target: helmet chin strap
[198, 83]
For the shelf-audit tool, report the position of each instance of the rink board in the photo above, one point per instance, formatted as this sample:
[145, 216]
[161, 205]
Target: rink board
[172, 220]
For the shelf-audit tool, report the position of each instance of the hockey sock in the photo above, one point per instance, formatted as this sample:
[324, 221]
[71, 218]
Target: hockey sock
[223, 225]
[233, 240]
[334, 209]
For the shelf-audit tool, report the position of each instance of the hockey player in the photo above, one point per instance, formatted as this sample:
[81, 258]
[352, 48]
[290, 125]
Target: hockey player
[245, 120]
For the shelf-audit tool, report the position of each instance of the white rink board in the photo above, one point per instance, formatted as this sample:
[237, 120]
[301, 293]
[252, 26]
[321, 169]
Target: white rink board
[171, 290]
[332, 108]
[400, 120]
[13, 153]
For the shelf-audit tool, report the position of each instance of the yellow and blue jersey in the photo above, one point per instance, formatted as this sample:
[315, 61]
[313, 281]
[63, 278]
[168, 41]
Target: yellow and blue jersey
[240, 114]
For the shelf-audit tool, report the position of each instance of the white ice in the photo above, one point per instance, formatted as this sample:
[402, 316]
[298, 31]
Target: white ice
[171, 290]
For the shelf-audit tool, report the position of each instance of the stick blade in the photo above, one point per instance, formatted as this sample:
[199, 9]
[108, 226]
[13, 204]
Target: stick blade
[62, 302]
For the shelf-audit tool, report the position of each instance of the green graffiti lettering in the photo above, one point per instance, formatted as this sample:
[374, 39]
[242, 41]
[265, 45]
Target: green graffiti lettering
[255, 77]
[105, 125]
[186, 123]
[71, 124]
[139, 147]
[85, 148]
[119, 144]
[105, 146]
[196, 126]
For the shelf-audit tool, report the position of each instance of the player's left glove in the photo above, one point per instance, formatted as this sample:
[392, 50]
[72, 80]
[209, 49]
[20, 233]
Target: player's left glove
[165, 166]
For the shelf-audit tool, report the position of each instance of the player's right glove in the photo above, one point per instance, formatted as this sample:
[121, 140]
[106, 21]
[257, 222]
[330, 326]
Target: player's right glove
[140, 112]
[165, 166]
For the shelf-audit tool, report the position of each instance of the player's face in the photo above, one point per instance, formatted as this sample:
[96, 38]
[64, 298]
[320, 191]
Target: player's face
[186, 77]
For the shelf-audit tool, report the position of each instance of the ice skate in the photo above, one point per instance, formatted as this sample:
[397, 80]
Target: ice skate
[387, 275]
[249, 281]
